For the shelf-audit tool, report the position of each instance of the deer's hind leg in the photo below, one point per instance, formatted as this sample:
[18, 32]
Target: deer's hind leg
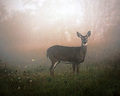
[53, 66]
[51, 69]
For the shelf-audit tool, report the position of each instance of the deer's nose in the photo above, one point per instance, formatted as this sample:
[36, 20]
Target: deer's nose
[85, 42]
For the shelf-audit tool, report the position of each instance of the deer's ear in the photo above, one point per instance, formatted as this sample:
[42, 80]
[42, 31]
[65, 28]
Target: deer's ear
[89, 33]
[79, 35]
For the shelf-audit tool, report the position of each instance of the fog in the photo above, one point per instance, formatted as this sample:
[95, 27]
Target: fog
[29, 27]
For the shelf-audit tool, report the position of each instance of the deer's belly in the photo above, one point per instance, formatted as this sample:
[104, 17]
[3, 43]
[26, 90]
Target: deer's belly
[70, 58]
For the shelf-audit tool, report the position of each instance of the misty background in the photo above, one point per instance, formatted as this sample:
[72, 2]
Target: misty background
[29, 27]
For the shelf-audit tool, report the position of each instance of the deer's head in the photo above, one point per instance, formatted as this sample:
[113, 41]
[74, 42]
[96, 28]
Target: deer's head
[84, 38]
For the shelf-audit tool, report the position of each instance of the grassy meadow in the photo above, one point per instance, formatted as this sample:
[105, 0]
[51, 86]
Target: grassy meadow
[93, 80]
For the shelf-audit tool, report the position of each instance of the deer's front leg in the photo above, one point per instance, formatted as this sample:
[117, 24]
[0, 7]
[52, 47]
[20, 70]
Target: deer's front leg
[73, 66]
[78, 64]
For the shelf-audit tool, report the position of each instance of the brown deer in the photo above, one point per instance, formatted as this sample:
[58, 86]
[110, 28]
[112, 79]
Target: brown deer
[74, 55]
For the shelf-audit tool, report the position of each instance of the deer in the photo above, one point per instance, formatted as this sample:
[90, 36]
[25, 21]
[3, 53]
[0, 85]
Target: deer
[74, 55]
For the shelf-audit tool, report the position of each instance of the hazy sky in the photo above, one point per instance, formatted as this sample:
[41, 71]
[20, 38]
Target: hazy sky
[13, 4]
[35, 25]
[54, 11]
[58, 7]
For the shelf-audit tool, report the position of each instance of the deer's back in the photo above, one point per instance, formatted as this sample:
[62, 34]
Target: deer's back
[63, 52]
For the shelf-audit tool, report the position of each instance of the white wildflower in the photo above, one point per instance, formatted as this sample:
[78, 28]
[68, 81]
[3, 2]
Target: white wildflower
[19, 66]
[25, 66]
[12, 72]
[8, 74]
[31, 81]
[18, 77]
[18, 87]
[33, 60]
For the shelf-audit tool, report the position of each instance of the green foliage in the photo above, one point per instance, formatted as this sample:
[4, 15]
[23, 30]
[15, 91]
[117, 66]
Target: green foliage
[92, 81]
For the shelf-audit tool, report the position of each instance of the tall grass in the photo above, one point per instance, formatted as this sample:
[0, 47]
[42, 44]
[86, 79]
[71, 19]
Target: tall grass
[95, 80]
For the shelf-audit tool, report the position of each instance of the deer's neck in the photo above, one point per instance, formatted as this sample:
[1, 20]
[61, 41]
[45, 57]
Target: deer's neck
[84, 48]
[84, 44]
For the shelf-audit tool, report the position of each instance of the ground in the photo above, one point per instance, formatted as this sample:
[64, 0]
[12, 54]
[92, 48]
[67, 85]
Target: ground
[91, 81]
